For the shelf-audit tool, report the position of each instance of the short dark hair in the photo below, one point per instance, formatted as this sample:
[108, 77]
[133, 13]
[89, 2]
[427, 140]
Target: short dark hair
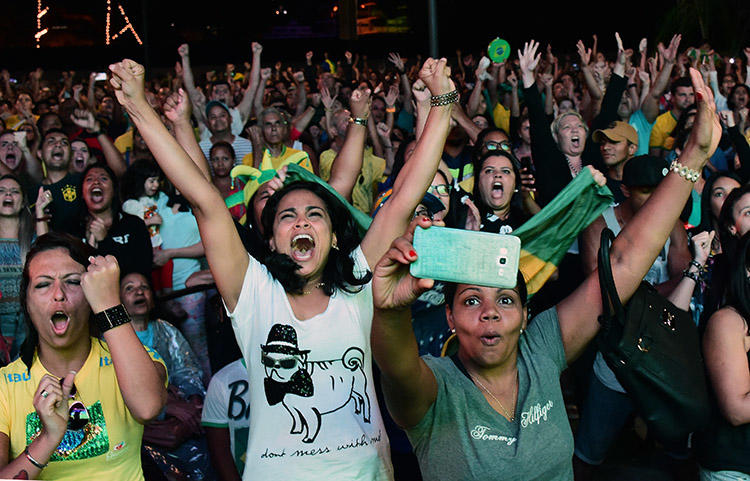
[223, 144]
[680, 82]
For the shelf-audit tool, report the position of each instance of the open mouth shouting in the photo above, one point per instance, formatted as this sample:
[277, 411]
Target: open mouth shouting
[79, 162]
[60, 322]
[96, 194]
[575, 141]
[303, 247]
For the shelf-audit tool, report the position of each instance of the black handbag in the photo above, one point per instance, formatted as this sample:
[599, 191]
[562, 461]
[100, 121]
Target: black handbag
[654, 350]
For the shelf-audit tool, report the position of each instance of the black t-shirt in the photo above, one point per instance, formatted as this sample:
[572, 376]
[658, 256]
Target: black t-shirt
[129, 241]
[67, 207]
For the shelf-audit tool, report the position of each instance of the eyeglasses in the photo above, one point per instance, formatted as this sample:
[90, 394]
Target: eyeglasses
[288, 363]
[440, 189]
[502, 145]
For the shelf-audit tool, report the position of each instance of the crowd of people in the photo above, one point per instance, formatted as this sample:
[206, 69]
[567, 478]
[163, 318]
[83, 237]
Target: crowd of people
[206, 276]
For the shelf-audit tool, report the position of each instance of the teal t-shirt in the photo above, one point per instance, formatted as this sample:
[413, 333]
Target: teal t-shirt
[643, 128]
[462, 438]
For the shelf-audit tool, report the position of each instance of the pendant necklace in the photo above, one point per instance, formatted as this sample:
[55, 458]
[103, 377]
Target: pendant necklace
[510, 417]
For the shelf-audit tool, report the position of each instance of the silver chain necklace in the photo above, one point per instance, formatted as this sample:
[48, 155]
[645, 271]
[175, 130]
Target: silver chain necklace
[510, 417]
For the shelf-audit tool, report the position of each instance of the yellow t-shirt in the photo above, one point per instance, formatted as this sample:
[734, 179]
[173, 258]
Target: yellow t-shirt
[660, 132]
[501, 116]
[14, 121]
[363, 194]
[281, 160]
[124, 142]
[108, 447]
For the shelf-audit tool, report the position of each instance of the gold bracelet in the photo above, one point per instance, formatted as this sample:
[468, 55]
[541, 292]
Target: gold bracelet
[359, 121]
[684, 171]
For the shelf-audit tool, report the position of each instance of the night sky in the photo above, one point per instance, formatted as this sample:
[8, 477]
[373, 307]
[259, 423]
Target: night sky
[222, 31]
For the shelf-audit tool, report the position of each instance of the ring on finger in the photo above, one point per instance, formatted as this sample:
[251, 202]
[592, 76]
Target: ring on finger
[44, 394]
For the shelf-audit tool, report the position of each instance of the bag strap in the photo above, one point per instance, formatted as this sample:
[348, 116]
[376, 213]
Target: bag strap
[611, 305]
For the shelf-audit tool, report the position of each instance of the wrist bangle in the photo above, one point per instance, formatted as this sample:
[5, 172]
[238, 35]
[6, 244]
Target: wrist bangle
[32, 460]
[44, 218]
[696, 264]
[444, 99]
[112, 317]
[684, 171]
[359, 121]
[692, 275]
[632, 85]
[390, 110]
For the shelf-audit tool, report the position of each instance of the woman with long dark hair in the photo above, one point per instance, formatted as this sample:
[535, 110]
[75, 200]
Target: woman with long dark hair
[18, 228]
[303, 319]
[74, 405]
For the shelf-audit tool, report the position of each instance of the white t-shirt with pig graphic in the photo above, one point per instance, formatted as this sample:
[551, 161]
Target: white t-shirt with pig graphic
[315, 414]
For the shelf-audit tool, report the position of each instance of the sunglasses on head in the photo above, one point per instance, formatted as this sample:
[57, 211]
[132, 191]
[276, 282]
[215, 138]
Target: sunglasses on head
[502, 145]
[441, 189]
[288, 363]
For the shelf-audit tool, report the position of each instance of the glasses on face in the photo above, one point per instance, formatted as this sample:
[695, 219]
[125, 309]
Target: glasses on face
[439, 189]
[503, 145]
[288, 363]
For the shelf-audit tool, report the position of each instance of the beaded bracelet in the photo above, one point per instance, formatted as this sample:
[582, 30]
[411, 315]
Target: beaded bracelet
[445, 99]
[696, 264]
[684, 171]
[692, 275]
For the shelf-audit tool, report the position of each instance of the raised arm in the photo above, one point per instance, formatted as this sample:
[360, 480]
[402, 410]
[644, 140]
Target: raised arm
[177, 111]
[188, 80]
[348, 162]
[141, 380]
[224, 250]
[588, 75]
[246, 104]
[635, 248]
[416, 175]
[408, 384]
[650, 106]
[86, 120]
[398, 62]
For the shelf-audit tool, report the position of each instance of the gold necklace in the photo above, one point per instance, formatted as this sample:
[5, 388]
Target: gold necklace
[316, 286]
[510, 417]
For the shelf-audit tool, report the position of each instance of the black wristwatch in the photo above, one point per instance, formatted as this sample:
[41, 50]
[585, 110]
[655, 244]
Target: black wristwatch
[112, 317]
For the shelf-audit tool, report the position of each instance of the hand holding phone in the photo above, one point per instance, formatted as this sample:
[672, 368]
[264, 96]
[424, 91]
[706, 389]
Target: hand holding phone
[466, 257]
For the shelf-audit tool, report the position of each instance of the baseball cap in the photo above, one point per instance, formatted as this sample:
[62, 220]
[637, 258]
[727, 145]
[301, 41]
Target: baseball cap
[644, 171]
[212, 103]
[617, 132]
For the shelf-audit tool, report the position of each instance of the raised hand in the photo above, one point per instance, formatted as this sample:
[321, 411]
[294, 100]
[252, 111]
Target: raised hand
[436, 76]
[183, 50]
[512, 79]
[256, 47]
[584, 53]
[43, 199]
[325, 97]
[383, 132]
[177, 107]
[702, 246]
[308, 57]
[359, 103]
[396, 60]
[706, 132]
[669, 54]
[265, 74]
[643, 45]
[528, 59]
[348, 56]
[101, 283]
[299, 77]
[85, 119]
[547, 79]
[419, 92]
[727, 118]
[393, 287]
[391, 96]
[127, 81]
